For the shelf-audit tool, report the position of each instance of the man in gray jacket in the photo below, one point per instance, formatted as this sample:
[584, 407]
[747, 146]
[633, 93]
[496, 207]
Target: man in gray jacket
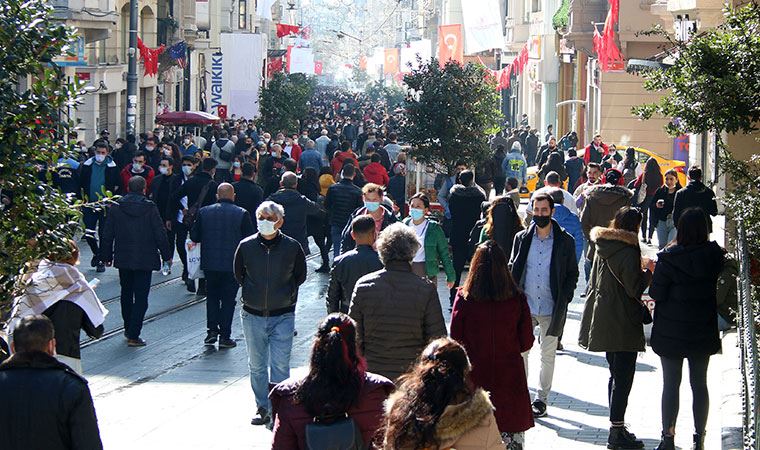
[270, 266]
[223, 151]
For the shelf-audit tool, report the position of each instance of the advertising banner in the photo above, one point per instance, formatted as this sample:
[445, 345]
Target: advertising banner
[483, 27]
[236, 74]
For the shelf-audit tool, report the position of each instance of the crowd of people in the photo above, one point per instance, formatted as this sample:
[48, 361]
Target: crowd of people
[384, 370]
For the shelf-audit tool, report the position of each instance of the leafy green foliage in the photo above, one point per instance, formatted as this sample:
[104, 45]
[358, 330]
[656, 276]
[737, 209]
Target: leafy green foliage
[359, 76]
[392, 94]
[39, 220]
[450, 111]
[713, 84]
[284, 102]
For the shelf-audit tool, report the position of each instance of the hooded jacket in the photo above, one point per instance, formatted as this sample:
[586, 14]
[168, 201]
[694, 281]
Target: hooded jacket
[134, 236]
[515, 165]
[469, 425]
[602, 202]
[612, 320]
[684, 287]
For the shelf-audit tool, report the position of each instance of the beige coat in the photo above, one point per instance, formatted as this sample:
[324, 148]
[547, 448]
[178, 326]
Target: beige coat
[469, 425]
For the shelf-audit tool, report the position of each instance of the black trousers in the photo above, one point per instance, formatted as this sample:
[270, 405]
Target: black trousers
[460, 252]
[135, 287]
[671, 377]
[622, 369]
[179, 232]
[221, 291]
[498, 185]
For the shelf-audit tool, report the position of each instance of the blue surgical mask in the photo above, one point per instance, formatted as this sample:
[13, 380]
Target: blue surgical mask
[372, 206]
[266, 227]
[416, 214]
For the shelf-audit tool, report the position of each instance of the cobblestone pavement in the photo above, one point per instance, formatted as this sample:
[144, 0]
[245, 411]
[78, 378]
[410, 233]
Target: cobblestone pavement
[177, 394]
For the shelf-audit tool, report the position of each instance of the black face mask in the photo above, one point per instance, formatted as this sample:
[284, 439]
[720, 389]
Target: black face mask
[542, 221]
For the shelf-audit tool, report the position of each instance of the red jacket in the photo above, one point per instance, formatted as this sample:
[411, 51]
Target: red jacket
[587, 153]
[376, 173]
[337, 163]
[290, 419]
[126, 174]
[494, 335]
[295, 151]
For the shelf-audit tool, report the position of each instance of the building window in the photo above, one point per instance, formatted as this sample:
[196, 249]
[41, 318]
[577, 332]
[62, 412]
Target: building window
[243, 15]
[536, 6]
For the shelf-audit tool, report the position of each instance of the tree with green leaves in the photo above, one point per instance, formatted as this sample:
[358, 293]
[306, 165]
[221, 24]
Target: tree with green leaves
[392, 94]
[284, 102]
[35, 219]
[450, 111]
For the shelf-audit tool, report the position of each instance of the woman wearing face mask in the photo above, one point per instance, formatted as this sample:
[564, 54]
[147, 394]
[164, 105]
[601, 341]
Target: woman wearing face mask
[435, 247]
[171, 150]
[373, 196]
[236, 170]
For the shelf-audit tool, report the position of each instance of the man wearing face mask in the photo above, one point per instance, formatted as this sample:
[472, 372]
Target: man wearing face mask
[188, 146]
[544, 266]
[152, 152]
[175, 214]
[220, 228]
[160, 193]
[139, 168]
[270, 266]
[122, 153]
[373, 196]
[96, 175]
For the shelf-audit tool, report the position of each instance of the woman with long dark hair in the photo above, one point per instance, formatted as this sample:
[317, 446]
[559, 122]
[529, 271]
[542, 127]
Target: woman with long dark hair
[630, 168]
[661, 210]
[437, 407]
[502, 223]
[684, 285]
[613, 319]
[650, 181]
[555, 163]
[337, 387]
[491, 318]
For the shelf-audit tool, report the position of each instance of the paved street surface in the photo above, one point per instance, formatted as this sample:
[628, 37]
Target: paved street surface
[177, 394]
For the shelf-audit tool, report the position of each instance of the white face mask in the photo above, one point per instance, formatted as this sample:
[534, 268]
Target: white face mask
[187, 141]
[266, 227]
[100, 158]
[236, 164]
[137, 167]
[163, 170]
[149, 148]
[187, 170]
[117, 145]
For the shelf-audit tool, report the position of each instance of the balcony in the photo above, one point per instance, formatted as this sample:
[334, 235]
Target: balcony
[516, 33]
[94, 18]
[580, 28]
[709, 13]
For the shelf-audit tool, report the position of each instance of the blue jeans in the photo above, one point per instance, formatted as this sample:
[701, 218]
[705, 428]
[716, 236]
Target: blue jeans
[587, 263]
[269, 341]
[221, 290]
[666, 232]
[337, 234]
[135, 287]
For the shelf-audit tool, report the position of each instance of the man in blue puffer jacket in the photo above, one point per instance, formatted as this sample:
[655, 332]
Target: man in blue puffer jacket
[568, 220]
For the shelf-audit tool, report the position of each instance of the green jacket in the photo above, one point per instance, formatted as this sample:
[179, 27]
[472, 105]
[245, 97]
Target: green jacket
[436, 249]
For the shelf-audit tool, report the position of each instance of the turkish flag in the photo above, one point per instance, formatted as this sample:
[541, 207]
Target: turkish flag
[284, 29]
[317, 67]
[275, 65]
[391, 60]
[450, 44]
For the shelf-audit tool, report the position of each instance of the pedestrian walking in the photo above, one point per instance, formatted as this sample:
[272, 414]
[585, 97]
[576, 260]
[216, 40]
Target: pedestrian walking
[311, 158]
[434, 249]
[353, 264]
[336, 390]
[645, 186]
[491, 319]
[574, 168]
[397, 187]
[464, 203]
[661, 210]
[695, 194]
[46, 405]
[436, 406]
[57, 289]
[139, 168]
[373, 196]
[499, 175]
[248, 194]
[375, 172]
[596, 151]
[270, 266]
[134, 241]
[175, 214]
[515, 165]
[612, 320]
[316, 225]
[684, 287]
[297, 209]
[160, 194]
[548, 287]
[502, 223]
[568, 220]
[630, 168]
[219, 229]
[396, 311]
[342, 199]
[223, 152]
[556, 164]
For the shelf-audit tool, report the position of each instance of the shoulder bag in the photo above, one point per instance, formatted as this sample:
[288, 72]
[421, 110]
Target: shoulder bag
[646, 316]
[192, 212]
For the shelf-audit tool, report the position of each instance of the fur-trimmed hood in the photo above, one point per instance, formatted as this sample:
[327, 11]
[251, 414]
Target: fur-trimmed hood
[457, 420]
[610, 240]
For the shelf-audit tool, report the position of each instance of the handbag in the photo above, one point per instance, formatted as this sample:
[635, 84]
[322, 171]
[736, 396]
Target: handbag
[194, 270]
[641, 193]
[331, 433]
[646, 315]
[188, 219]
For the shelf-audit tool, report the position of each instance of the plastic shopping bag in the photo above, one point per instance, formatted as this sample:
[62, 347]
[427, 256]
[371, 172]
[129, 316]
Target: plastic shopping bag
[194, 271]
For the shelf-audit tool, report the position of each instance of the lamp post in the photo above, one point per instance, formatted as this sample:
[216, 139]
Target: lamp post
[132, 70]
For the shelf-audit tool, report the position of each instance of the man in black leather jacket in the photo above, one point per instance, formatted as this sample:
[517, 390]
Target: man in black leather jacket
[45, 403]
[270, 266]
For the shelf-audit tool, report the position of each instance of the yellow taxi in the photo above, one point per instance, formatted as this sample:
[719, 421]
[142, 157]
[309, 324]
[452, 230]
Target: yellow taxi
[642, 155]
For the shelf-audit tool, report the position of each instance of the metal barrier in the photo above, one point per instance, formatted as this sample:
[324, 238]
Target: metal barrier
[748, 344]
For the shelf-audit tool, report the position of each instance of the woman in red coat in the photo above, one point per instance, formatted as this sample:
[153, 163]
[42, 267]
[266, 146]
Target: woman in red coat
[491, 318]
[337, 385]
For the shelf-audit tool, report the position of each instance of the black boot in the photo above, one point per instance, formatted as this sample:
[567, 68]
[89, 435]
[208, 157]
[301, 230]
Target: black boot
[621, 438]
[699, 442]
[667, 443]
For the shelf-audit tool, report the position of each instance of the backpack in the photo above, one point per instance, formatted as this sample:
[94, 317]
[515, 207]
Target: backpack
[629, 173]
[334, 434]
[224, 155]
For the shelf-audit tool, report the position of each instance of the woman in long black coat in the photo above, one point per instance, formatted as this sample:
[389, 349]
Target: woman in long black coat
[684, 287]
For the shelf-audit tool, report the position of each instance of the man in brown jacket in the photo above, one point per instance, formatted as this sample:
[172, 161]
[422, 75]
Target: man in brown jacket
[602, 202]
[396, 312]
